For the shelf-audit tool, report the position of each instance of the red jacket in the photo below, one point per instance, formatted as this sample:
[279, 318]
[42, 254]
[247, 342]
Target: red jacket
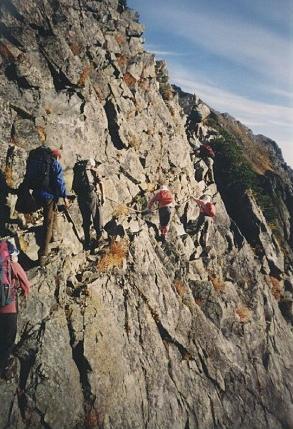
[206, 208]
[19, 279]
[206, 150]
[160, 198]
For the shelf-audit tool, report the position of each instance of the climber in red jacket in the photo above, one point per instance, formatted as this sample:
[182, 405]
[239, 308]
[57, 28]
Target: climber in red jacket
[205, 151]
[207, 208]
[165, 200]
[12, 278]
[202, 227]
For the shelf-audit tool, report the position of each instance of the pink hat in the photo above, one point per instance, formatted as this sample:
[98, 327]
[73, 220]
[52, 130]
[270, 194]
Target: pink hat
[56, 153]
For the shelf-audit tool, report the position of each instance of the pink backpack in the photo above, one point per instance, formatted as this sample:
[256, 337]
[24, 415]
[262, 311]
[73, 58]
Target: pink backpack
[165, 197]
[210, 210]
[6, 292]
[206, 149]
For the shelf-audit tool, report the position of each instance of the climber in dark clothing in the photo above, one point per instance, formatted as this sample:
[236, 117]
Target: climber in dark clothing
[206, 153]
[48, 199]
[4, 208]
[90, 196]
[192, 122]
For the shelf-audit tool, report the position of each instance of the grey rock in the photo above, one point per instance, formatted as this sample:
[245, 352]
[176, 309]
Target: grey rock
[138, 333]
[135, 30]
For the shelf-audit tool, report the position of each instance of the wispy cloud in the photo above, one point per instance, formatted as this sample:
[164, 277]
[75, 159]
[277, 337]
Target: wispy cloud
[280, 12]
[157, 50]
[280, 92]
[233, 47]
[233, 38]
[272, 120]
[168, 53]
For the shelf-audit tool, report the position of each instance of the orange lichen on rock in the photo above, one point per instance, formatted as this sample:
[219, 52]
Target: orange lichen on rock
[114, 256]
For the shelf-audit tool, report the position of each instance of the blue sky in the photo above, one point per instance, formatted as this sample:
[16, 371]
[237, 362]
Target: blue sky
[237, 55]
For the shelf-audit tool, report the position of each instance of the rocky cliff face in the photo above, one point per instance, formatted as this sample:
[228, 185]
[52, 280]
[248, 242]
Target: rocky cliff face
[192, 334]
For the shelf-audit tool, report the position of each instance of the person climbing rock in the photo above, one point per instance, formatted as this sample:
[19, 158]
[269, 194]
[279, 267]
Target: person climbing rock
[165, 200]
[44, 175]
[4, 207]
[12, 277]
[207, 154]
[207, 208]
[202, 226]
[89, 189]
[193, 121]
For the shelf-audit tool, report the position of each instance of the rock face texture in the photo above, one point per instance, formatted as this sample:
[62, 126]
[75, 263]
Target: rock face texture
[194, 333]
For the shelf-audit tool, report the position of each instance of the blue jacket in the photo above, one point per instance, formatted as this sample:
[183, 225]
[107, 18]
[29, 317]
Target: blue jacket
[57, 185]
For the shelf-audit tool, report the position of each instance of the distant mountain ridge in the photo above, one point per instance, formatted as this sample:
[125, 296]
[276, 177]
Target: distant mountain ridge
[271, 147]
[245, 161]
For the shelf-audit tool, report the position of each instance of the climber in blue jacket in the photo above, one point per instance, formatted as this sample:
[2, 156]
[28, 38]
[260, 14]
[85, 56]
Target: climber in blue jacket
[57, 188]
[48, 196]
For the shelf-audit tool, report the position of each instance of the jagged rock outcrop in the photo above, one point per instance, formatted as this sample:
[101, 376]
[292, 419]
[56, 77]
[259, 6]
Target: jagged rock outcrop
[191, 334]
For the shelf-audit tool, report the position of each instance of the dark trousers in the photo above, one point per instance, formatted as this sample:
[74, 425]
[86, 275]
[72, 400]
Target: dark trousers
[165, 217]
[49, 223]
[8, 326]
[91, 212]
[202, 228]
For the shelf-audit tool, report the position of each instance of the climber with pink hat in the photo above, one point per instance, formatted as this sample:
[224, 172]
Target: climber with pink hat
[56, 153]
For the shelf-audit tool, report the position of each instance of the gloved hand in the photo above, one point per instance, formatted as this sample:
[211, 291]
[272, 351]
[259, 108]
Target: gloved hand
[146, 212]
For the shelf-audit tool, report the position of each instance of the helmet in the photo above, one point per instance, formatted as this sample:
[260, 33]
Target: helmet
[206, 198]
[163, 184]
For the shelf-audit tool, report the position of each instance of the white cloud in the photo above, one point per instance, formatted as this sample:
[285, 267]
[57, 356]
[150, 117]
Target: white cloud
[264, 54]
[281, 93]
[272, 120]
[158, 50]
[163, 53]
[233, 38]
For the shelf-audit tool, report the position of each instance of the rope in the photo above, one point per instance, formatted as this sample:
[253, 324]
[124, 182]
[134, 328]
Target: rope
[129, 208]
[143, 211]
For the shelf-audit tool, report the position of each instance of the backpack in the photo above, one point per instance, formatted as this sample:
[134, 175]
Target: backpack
[25, 202]
[165, 197]
[210, 210]
[38, 169]
[6, 290]
[81, 183]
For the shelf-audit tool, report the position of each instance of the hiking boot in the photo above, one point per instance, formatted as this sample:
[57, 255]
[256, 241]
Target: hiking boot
[87, 245]
[10, 370]
[55, 237]
[97, 240]
[55, 231]
[54, 244]
[43, 260]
